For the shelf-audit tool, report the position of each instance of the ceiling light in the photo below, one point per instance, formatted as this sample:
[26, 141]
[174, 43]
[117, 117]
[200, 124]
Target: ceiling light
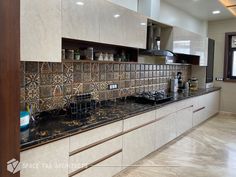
[80, 3]
[116, 15]
[143, 24]
[216, 12]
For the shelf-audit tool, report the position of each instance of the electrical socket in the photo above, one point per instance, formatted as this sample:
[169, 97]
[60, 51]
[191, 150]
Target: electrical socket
[219, 79]
[112, 86]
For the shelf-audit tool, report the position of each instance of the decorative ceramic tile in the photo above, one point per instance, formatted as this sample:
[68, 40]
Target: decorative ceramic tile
[95, 68]
[142, 75]
[57, 79]
[78, 67]
[116, 68]
[31, 67]
[137, 75]
[124, 92]
[132, 75]
[146, 74]
[78, 77]
[132, 91]
[95, 87]
[150, 68]
[57, 102]
[154, 67]
[122, 67]
[133, 67]
[141, 89]
[57, 68]
[127, 67]
[95, 77]
[22, 106]
[150, 82]
[137, 90]
[87, 77]
[127, 75]
[45, 91]
[116, 75]
[121, 84]
[45, 67]
[87, 88]
[57, 90]
[34, 104]
[87, 67]
[102, 86]
[137, 82]
[46, 104]
[138, 67]
[150, 74]
[142, 82]
[116, 93]
[31, 94]
[67, 89]
[102, 68]
[146, 88]
[68, 78]
[146, 67]
[154, 73]
[102, 76]
[102, 95]
[45, 79]
[67, 67]
[109, 94]
[109, 68]
[127, 84]
[67, 100]
[132, 83]
[78, 88]
[122, 75]
[31, 80]
[109, 76]
[22, 94]
[95, 95]
[146, 81]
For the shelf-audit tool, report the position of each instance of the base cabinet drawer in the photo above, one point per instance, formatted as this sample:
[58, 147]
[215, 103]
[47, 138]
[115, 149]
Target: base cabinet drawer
[94, 154]
[138, 143]
[107, 168]
[46, 161]
[184, 120]
[165, 130]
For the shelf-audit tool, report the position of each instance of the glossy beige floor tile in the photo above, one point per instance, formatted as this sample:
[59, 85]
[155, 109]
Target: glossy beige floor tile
[207, 151]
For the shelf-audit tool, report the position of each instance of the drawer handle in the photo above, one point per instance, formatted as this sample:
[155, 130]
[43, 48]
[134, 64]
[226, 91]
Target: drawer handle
[197, 110]
[95, 144]
[95, 163]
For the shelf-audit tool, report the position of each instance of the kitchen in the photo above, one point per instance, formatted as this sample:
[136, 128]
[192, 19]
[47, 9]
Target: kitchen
[117, 88]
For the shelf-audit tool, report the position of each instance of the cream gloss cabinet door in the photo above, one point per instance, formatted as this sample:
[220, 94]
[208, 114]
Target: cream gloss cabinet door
[135, 30]
[112, 23]
[40, 35]
[47, 160]
[80, 19]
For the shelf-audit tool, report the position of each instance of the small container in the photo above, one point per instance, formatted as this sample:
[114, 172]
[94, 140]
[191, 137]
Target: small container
[77, 55]
[89, 53]
[63, 54]
[194, 84]
[70, 54]
[174, 85]
[24, 120]
[105, 57]
[111, 57]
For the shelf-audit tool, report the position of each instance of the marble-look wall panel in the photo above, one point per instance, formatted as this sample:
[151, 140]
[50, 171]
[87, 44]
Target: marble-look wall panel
[48, 86]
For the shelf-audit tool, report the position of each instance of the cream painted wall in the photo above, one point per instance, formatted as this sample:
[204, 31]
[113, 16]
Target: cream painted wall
[173, 16]
[216, 31]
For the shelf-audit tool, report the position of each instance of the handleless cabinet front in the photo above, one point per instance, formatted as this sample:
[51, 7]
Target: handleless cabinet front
[40, 34]
[80, 19]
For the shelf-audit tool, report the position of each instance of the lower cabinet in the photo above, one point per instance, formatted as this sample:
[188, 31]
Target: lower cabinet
[47, 160]
[184, 120]
[138, 143]
[165, 130]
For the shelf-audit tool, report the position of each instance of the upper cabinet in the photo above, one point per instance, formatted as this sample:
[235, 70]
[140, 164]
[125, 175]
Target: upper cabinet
[40, 30]
[80, 19]
[190, 43]
[104, 22]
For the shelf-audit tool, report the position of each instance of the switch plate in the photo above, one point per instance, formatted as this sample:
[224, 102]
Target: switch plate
[219, 79]
[112, 86]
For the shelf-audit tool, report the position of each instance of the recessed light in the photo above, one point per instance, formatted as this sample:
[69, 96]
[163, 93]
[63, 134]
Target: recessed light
[80, 3]
[216, 12]
[143, 24]
[116, 15]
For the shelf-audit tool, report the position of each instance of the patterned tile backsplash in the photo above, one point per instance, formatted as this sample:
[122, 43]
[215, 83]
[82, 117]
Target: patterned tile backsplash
[47, 86]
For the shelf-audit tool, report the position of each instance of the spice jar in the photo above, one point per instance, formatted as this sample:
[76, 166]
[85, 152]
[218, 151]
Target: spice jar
[70, 54]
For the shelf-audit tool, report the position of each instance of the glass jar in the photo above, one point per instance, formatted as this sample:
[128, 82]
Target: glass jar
[70, 54]
[194, 84]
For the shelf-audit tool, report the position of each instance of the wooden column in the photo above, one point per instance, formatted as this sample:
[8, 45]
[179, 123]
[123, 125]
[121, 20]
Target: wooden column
[9, 84]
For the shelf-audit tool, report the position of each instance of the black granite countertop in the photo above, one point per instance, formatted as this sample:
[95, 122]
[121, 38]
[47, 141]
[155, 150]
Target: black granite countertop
[53, 128]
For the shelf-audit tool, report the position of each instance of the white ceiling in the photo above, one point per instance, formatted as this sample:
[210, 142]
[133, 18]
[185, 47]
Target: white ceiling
[202, 9]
